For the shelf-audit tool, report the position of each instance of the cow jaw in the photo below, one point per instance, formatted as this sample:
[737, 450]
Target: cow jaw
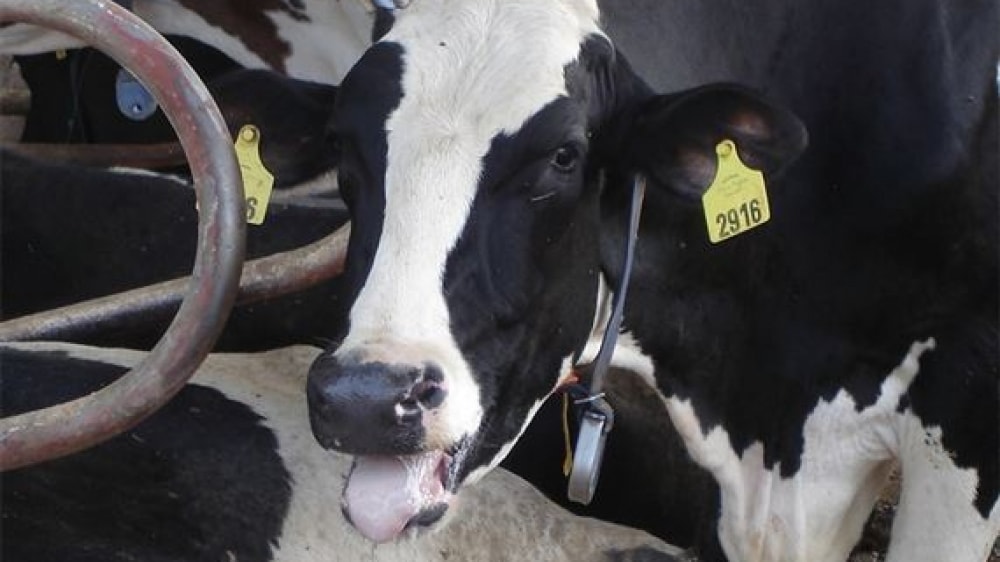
[386, 495]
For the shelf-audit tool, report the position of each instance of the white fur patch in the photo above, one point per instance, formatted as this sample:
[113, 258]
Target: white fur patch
[470, 73]
[819, 513]
[323, 49]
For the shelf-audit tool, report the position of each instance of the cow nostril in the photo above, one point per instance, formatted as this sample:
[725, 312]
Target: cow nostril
[408, 410]
[429, 394]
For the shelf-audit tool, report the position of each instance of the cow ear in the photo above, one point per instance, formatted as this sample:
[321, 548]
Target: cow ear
[673, 137]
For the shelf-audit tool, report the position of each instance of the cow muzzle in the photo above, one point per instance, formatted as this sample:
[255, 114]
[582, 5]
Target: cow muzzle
[388, 415]
[373, 408]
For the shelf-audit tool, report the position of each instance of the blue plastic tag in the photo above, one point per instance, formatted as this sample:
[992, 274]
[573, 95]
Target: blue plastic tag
[134, 100]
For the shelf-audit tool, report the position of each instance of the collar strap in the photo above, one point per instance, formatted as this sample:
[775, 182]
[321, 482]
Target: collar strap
[597, 417]
[602, 362]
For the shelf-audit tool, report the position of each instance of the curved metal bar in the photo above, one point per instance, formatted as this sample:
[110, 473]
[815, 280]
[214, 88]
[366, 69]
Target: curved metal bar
[60, 430]
[263, 278]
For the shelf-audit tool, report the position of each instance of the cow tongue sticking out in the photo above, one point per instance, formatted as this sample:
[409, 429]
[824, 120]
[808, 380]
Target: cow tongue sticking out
[384, 494]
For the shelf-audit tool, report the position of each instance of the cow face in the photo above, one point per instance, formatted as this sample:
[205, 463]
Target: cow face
[478, 141]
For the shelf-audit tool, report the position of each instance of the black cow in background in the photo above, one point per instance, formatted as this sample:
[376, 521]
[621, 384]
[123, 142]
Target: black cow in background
[71, 233]
[57, 219]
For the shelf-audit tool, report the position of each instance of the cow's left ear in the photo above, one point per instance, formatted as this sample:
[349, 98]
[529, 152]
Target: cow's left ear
[673, 138]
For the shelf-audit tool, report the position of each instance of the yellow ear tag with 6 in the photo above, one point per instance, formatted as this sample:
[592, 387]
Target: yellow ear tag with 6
[257, 181]
[736, 201]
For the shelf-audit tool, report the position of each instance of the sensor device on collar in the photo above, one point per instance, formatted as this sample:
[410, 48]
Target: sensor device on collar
[598, 416]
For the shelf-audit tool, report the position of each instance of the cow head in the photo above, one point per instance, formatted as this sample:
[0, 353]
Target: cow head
[486, 148]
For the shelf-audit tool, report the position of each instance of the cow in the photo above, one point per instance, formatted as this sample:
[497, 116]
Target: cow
[228, 471]
[306, 39]
[78, 94]
[488, 151]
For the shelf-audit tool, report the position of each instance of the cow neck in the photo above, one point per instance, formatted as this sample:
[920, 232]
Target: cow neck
[597, 416]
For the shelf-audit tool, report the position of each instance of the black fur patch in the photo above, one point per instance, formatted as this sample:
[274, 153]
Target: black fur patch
[200, 480]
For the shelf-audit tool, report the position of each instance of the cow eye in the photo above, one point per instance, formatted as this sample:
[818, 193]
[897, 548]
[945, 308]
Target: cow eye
[565, 158]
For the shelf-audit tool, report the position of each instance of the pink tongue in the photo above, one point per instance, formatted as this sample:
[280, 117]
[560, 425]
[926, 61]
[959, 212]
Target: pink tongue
[384, 493]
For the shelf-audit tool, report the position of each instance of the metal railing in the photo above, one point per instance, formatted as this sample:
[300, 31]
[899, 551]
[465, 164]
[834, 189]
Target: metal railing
[60, 430]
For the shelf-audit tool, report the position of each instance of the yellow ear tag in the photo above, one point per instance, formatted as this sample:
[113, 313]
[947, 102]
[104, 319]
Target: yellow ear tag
[257, 181]
[737, 199]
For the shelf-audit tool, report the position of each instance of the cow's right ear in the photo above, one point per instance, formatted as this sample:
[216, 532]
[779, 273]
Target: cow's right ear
[672, 138]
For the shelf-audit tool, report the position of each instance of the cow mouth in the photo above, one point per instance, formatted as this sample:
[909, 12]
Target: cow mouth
[386, 495]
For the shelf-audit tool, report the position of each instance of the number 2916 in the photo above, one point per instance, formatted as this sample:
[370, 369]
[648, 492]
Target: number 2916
[737, 219]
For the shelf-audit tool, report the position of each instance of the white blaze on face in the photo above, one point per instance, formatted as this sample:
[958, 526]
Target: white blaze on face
[472, 69]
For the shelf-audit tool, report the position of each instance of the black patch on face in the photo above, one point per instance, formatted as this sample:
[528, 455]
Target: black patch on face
[200, 480]
[520, 283]
[368, 94]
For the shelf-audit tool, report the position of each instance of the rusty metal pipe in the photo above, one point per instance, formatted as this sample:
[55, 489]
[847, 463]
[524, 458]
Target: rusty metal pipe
[263, 278]
[155, 156]
[60, 430]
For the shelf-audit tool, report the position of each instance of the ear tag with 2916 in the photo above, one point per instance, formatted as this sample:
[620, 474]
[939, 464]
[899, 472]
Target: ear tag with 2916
[736, 201]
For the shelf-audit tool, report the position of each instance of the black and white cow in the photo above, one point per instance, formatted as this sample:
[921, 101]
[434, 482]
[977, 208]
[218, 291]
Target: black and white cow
[76, 94]
[308, 39]
[228, 471]
[487, 149]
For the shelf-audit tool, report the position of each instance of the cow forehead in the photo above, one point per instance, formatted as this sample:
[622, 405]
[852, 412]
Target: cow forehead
[475, 68]
[472, 70]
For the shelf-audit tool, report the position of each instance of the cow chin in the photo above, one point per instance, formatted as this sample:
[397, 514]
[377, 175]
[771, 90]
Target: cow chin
[386, 496]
